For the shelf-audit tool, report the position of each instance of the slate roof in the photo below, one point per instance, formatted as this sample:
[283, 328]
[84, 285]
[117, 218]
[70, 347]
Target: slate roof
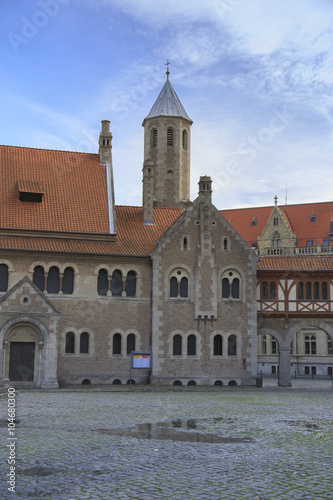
[168, 104]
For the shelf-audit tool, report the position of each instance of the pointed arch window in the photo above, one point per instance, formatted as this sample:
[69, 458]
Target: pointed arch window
[170, 137]
[3, 278]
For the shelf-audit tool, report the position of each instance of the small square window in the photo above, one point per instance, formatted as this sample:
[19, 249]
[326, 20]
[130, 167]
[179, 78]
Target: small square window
[325, 243]
[309, 243]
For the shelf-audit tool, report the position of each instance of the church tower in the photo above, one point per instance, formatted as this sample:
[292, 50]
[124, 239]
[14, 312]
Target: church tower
[166, 168]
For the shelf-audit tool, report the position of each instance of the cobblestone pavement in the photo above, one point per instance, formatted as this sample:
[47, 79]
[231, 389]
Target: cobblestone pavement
[276, 443]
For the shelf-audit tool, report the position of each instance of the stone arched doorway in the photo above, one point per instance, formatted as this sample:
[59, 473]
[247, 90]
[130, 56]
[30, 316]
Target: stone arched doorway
[23, 353]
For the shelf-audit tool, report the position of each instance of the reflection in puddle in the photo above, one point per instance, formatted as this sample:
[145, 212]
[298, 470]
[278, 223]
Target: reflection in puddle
[177, 430]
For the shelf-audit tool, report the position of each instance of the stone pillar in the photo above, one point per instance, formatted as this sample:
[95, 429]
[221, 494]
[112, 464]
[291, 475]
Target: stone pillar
[285, 367]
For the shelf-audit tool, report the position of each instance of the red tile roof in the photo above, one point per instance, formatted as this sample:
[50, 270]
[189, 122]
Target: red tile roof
[296, 263]
[298, 216]
[69, 181]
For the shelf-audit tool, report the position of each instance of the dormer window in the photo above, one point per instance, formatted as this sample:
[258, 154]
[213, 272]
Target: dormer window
[313, 217]
[309, 243]
[254, 222]
[30, 191]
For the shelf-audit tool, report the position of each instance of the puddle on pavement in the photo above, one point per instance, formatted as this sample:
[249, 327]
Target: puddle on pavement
[177, 430]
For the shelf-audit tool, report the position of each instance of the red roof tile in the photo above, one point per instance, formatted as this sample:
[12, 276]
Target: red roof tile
[298, 216]
[295, 263]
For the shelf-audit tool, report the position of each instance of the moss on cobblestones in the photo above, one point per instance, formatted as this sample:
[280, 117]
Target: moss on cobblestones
[291, 456]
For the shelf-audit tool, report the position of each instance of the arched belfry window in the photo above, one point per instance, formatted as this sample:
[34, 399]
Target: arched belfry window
[102, 282]
[53, 280]
[68, 281]
[39, 278]
[231, 284]
[154, 138]
[170, 137]
[117, 283]
[184, 140]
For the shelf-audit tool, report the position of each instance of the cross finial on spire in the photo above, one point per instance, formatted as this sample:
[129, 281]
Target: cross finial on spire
[167, 71]
[275, 200]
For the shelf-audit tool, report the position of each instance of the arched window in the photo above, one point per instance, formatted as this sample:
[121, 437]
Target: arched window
[53, 280]
[68, 281]
[116, 344]
[308, 290]
[276, 240]
[183, 287]
[191, 345]
[316, 290]
[84, 343]
[264, 290]
[177, 345]
[130, 344]
[184, 140]
[264, 344]
[300, 291]
[3, 278]
[154, 138]
[179, 283]
[324, 290]
[170, 137]
[39, 278]
[310, 344]
[130, 284]
[272, 290]
[218, 345]
[230, 285]
[232, 345]
[102, 282]
[117, 283]
[70, 343]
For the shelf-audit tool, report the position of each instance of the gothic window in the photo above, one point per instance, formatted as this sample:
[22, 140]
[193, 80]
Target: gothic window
[170, 137]
[117, 283]
[130, 284]
[70, 343]
[84, 343]
[53, 280]
[232, 345]
[116, 344]
[39, 278]
[230, 285]
[191, 345]
[130, 343]
[102, 282]
[154, 138]
[177, 345]
[3, 278]
[276, 240]
[218, 345]
[68, 281]
[184, 140]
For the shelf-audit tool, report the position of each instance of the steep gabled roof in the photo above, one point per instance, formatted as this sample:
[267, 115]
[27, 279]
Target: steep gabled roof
[68, 182]
[168, 104]
[298, 217]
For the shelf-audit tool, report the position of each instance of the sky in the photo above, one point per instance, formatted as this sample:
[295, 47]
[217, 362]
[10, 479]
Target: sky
[255, 76]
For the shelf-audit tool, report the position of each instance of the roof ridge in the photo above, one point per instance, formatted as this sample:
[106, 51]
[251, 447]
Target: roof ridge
[47, 149]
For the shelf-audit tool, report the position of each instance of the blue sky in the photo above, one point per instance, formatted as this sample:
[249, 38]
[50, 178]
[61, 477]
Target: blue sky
[255, 76]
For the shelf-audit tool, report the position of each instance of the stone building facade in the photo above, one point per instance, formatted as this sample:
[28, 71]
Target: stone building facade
[84, 283]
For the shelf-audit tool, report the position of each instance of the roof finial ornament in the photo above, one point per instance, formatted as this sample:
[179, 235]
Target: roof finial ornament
[167, 71]
[275, 200]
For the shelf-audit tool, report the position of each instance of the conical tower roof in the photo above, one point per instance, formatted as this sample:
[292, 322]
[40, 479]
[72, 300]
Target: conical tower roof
[168, 103]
